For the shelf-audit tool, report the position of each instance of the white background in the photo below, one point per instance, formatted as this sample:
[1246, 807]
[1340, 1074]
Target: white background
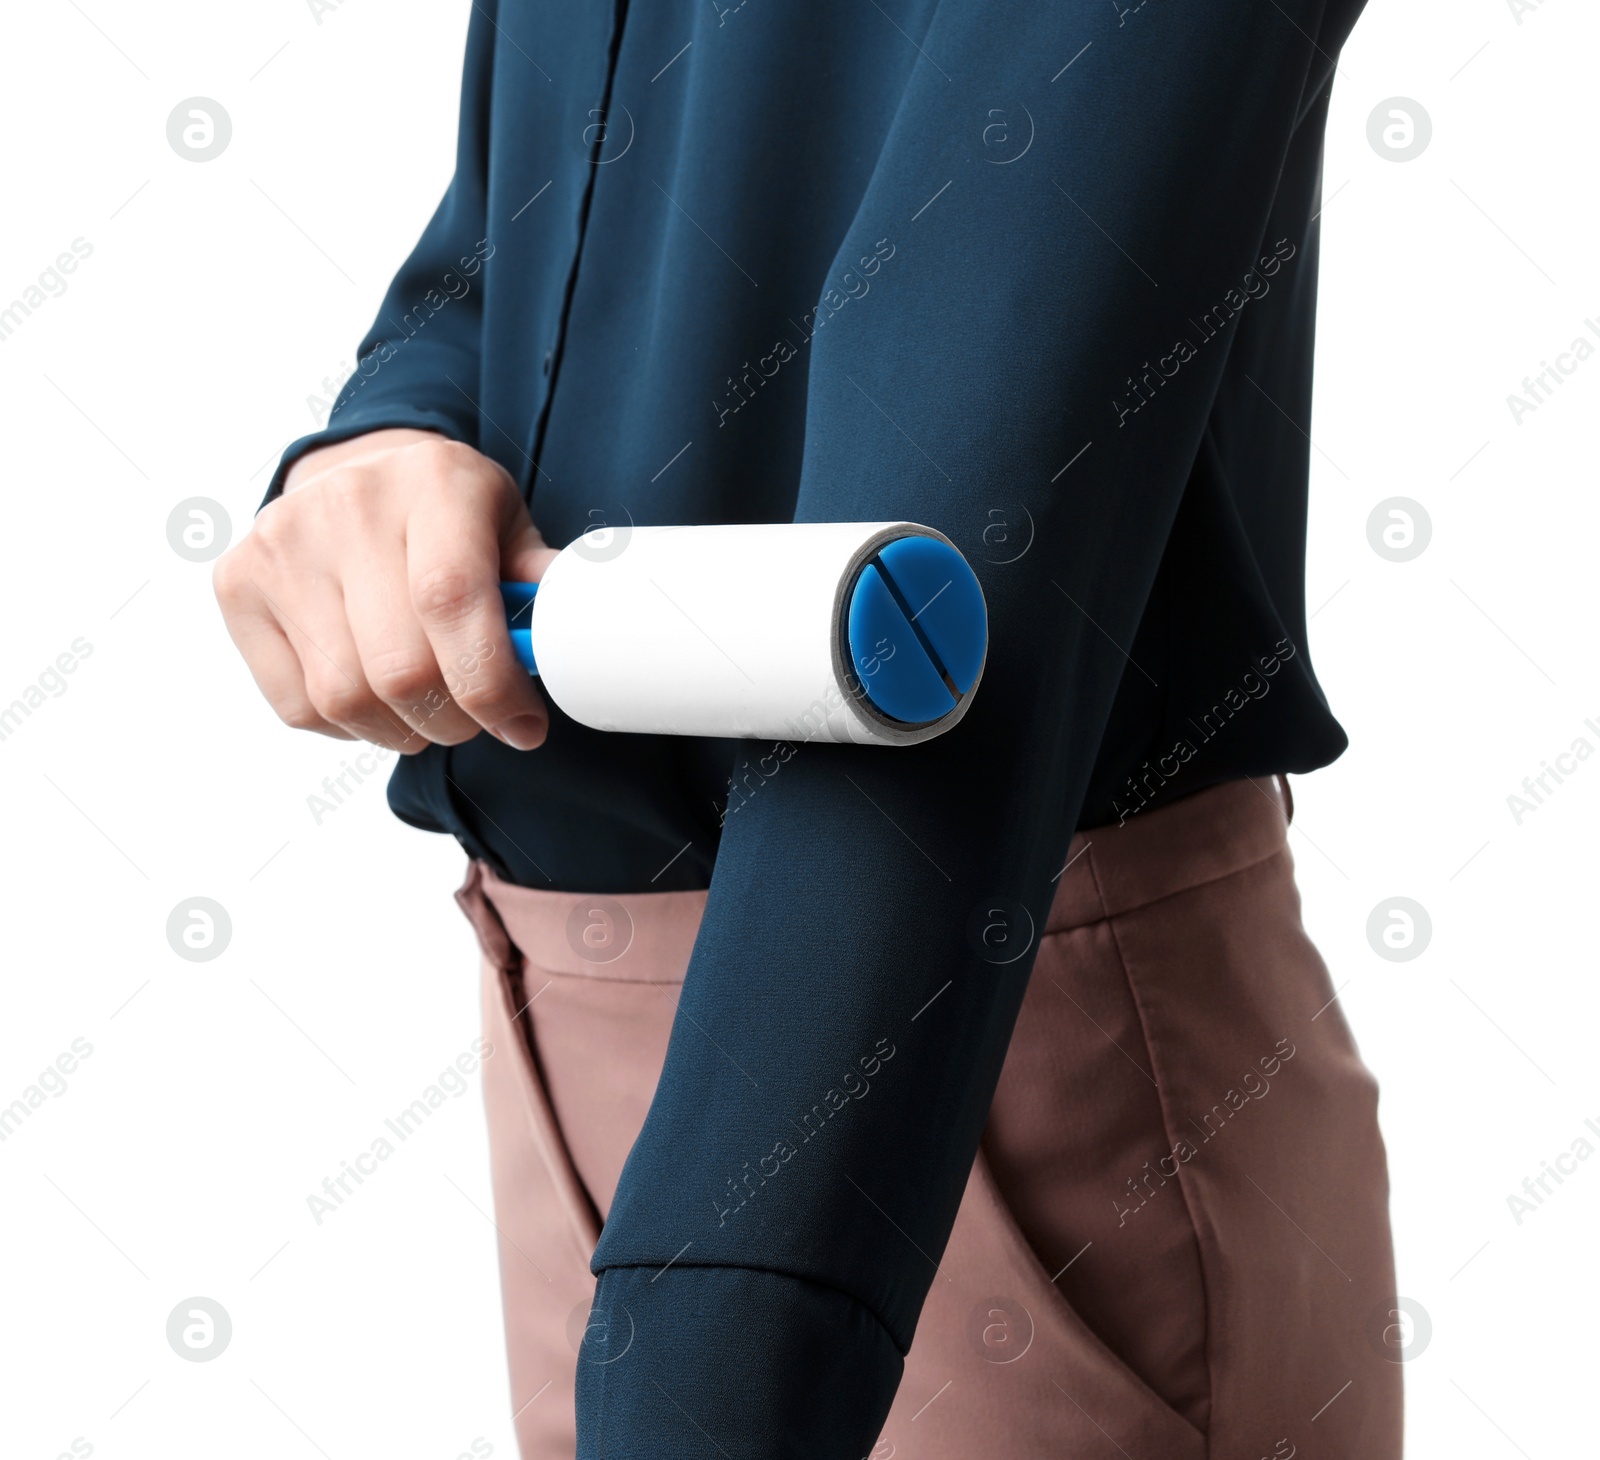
[218, 298]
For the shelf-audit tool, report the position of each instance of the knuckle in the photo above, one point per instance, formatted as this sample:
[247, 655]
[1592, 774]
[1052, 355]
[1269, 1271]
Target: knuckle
[462, 471]
[444, 593]
[230, 577]
[341, 702]
[442, 455]
[274, 527]
[402, 679]
[298, 714]
[486, 687]
[420, 716]
[478, 695]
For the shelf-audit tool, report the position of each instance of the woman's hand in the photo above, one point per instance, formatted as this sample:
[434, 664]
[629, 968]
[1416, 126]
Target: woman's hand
[366, 600]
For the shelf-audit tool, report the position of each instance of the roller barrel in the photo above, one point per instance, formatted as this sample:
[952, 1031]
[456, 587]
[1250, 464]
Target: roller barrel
[857, 633]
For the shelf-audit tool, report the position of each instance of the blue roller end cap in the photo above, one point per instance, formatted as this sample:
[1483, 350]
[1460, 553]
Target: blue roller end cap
[518, 599]
[941, 590]
[917, 630]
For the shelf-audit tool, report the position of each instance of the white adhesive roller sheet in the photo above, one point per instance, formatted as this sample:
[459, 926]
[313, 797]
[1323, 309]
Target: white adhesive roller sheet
[867, 633]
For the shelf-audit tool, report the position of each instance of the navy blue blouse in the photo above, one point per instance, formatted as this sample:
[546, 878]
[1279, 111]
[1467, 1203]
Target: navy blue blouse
[1041, 276]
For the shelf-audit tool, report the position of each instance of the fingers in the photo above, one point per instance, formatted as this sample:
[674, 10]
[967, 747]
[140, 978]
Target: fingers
[266, 651]
[453, 565]
[398, 662]
[367, 603]
[336, 683]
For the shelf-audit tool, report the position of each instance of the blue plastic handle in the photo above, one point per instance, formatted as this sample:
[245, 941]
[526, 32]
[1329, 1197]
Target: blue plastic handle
[518, 599]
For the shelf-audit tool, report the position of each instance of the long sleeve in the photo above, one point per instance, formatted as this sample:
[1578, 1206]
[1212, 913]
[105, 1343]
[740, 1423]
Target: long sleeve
[1046, 347]
[419, 363]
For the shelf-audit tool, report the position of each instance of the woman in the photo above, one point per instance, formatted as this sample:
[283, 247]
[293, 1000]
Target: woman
[1042, 278]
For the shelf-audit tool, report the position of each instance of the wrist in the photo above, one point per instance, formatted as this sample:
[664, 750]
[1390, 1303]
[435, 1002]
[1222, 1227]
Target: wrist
[341, 453]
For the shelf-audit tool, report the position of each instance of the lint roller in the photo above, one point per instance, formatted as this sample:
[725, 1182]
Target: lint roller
[863, 633]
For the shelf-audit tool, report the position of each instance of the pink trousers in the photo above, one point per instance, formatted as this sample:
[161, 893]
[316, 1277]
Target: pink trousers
[1174, 1241]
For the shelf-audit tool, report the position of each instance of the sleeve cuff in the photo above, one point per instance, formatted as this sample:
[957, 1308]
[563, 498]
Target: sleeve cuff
[418, 388]
[686, 1363]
